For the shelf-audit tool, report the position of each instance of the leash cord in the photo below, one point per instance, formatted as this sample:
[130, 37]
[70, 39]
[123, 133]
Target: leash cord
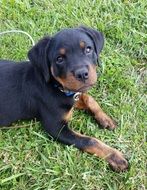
[19, 31]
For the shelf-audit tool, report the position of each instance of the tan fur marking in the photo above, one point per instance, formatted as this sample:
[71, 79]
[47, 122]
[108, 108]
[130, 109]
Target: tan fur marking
[82, 44]
[67, 116]
[62, 51]
[87, 102]
[99, 149]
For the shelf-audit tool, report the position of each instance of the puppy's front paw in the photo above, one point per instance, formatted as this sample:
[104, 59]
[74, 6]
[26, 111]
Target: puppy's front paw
[105, 121]
[117, 162]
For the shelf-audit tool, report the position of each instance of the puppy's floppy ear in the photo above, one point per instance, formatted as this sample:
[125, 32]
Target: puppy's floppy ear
[38, 57]
[96, 36]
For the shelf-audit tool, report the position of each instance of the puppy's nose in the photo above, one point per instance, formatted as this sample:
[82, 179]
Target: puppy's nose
[81, 74]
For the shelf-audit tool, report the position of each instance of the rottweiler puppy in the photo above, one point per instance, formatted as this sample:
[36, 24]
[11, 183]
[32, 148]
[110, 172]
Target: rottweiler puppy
[56, 78]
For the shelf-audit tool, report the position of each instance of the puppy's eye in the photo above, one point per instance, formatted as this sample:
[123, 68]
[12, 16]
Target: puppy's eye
[88, 49]
[59, 59]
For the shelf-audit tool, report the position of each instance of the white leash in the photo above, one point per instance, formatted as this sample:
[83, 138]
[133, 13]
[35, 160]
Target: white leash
[19, 31]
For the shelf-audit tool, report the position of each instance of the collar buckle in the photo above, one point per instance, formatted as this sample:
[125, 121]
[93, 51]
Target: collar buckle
[76, 96]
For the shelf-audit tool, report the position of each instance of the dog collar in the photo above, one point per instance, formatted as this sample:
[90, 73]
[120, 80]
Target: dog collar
[71, 93]
[68, 93]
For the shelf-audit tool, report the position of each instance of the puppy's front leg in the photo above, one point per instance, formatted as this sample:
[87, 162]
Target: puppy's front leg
[88, 103]
[60, 132]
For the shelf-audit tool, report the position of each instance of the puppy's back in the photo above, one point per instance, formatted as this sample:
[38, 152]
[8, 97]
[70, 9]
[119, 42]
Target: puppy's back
[11, 96]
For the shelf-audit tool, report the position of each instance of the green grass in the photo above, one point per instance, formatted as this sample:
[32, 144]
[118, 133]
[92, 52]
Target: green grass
[28, 159]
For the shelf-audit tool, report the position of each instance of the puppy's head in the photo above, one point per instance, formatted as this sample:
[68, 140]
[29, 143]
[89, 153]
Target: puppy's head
[70, 57]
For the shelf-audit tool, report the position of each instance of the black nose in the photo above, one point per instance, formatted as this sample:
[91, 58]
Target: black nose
[81, 74]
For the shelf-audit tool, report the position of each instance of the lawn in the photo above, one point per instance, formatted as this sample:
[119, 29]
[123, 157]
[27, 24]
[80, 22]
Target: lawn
[29, 160]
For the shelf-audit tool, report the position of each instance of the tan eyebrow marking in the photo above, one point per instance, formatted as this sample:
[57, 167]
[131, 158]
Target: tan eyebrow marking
[82, 44]
[62, 51]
